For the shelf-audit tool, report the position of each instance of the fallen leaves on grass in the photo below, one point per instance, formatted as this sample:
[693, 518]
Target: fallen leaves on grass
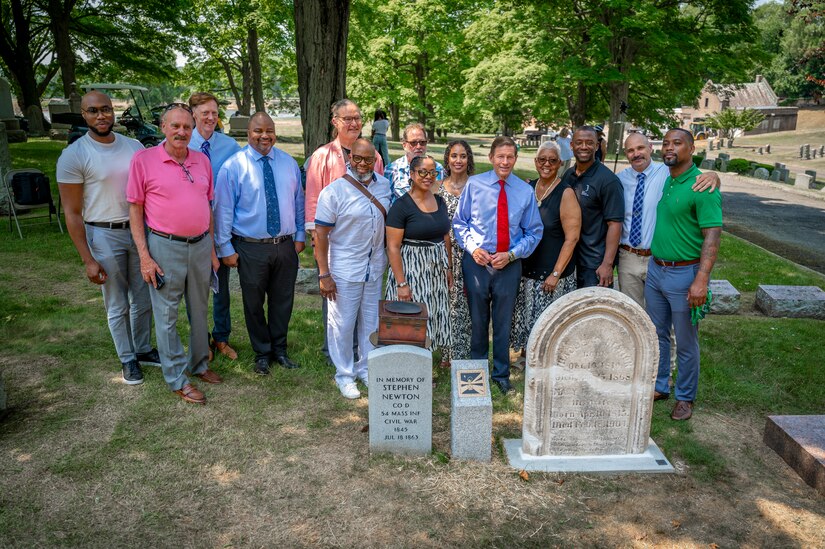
[676, 524]
[524, 475]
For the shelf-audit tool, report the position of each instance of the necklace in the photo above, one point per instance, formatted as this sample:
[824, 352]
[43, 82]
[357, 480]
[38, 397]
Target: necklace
[546, 191]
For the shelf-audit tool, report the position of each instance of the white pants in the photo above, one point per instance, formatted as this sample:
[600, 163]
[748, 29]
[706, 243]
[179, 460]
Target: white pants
[353, 301]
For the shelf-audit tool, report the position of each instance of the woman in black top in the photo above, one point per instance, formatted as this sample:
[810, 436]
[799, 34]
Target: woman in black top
[549, 272]
[418, 247]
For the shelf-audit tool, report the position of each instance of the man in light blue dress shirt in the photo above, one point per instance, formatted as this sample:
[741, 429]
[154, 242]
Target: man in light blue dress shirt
[218, 147]
[497, 223]
[259, 228]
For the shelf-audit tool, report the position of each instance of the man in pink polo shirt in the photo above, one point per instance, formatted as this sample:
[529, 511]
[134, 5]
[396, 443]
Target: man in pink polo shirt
[169, 193]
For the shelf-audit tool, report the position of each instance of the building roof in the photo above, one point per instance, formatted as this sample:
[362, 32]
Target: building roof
[748, 95]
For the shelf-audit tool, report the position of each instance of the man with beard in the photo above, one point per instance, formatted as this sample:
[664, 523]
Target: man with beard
[685, 245]
[259, 228]
[414, 141]
[92, 174]
[497, 223]
[349, 224]
[218, 147]
[602, 203]
[169, 190]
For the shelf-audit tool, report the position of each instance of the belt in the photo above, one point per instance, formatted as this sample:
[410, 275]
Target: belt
[176, 238]
[107, 225]
[684, 263]
[276, 240]
[637, 251]
[420, 243]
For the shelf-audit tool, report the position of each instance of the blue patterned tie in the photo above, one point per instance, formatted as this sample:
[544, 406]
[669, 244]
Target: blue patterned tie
[205, 150]
[273, 214]
[638, 204]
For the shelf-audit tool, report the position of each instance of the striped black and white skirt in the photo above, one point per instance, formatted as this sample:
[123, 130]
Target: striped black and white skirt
[531, 302]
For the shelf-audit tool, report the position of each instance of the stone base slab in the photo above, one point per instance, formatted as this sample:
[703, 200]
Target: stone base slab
[800, 441]
[726, 298]
[650, 461]
[791, 301]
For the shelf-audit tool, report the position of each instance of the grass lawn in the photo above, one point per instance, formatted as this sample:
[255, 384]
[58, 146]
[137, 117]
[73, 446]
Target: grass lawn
[283, 460]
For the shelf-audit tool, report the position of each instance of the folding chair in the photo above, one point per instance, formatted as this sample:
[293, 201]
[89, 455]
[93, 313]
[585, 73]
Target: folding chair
[14, 207]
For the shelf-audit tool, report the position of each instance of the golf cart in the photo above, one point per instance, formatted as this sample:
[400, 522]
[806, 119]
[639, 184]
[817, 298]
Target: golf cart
[134, 119]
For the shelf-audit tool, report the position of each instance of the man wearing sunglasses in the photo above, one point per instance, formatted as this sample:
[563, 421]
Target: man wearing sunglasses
[218, 147]
[414, 141]
[169, 190]
[92, 174]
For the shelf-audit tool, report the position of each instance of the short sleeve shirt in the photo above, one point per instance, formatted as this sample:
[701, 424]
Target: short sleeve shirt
[419, 225]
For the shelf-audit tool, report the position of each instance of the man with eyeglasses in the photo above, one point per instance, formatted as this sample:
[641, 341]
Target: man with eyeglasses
[92, 173]
[169, 191]
[259, 228]
[414, 141]
[218, 147]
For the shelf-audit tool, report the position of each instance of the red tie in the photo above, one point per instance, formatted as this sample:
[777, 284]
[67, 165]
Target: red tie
[502, 222]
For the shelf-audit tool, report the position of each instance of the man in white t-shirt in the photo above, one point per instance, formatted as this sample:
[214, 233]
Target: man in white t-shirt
[92, 174]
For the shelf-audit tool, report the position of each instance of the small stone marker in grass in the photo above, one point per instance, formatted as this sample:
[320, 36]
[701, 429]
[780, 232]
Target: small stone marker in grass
[588, 394]
[726, 298]
[471, 417]
[401, 400]
[791, 301]
[803, 181]
[800, 441]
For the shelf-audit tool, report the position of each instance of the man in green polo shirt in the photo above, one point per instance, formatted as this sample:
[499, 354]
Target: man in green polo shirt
[685, 245]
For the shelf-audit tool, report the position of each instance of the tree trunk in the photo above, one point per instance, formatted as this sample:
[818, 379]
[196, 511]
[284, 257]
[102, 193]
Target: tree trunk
[618, 94]
[59, 14]
[395, 122]
[255, 69]
[247, 86]
[321, 28]
[227, 69]
[577, 107]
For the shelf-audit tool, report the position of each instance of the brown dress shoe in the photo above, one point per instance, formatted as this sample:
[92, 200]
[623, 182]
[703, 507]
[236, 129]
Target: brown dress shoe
[209, 376]
[190, 394]
[223, 348]
[682, 411]
[660, 396]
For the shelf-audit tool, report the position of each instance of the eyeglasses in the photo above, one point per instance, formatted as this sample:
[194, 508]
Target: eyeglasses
[543, 161]
[188, 175]
[355, 159]
[420, 143]
[94, 110]
[427, 173]
[183, 106]
[350, 119]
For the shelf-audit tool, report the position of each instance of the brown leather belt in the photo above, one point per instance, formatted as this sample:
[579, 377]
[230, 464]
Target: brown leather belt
[637, 251]
[176, 238]
[275, 240]
[684, 263]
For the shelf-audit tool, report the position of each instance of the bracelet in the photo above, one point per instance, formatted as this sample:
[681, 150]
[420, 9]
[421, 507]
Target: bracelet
[324, 276]
[402, 284]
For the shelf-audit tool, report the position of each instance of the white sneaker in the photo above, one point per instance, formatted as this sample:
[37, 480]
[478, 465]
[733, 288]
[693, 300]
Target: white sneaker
[365, 381]
[349, 390]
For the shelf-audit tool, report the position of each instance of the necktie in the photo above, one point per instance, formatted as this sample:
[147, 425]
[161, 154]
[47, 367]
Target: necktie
[638, 204]
[273, 214]
[502, 221]
[205, 150]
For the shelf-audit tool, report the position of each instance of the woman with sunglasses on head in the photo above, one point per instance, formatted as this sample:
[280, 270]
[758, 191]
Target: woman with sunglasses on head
[549, 272]
[458, 167]
[419, 250]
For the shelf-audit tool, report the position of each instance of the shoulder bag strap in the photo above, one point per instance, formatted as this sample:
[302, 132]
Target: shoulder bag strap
[366, 193]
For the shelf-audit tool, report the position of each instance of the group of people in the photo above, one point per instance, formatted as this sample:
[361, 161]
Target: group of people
[478, 249]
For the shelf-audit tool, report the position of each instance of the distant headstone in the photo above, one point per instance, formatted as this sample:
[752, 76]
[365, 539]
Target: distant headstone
[807, 152]
[802, 151]
[721, 143]
[822, 150]
[761, 173]
[760, 150]
[238, 125]
[592, 358]
[730, 143]
[723, 165]
[767, 149]
[725, 298]
[791, 301]
[724, 156]
[471, 416]
[778, 165]
[784, 174]
[656, 155]
[710, 145]
[5, 157]
[401, 400]
[708, 164]
[813, 154]
[803, 181]
[800, 441]
[775, 175]
[6, 108]
[812, 173]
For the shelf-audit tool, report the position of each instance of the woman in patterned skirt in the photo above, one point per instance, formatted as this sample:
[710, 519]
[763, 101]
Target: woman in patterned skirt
[549, 272]
[458, 167]
[418, 248]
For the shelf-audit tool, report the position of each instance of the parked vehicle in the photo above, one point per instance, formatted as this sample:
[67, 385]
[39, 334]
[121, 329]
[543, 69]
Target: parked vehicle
[135, 118]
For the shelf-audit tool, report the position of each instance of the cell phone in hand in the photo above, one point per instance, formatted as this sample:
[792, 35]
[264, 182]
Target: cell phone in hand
[159, 281]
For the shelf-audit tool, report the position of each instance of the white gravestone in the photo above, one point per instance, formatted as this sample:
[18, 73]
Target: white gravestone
[588, 392]
[401, 400]
[471, 416]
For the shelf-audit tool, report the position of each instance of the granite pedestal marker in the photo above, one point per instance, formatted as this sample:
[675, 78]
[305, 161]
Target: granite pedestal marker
[401, 400]
[800, 441]
[791, 301]
[471, 416]
[726, 298]
[588, 393]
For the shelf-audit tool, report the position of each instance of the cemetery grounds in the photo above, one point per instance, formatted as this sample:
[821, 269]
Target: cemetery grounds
[86, 461]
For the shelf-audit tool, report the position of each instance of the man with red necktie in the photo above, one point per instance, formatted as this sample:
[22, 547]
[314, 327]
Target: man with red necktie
[497, 223]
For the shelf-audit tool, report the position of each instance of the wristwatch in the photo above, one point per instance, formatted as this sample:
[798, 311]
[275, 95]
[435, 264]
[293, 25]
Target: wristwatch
[511, 256]
[556, 274]
[402, 284]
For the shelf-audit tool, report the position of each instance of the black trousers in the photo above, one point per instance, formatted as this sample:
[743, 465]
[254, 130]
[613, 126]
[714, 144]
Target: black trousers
[267, 273]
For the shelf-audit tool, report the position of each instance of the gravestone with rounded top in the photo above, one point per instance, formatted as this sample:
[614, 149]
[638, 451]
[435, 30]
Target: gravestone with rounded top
[592, 358]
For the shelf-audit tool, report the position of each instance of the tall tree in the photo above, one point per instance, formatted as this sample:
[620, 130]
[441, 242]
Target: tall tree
[321, 28]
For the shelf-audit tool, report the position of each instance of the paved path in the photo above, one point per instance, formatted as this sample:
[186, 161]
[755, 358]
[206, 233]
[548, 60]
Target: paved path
[788, 222]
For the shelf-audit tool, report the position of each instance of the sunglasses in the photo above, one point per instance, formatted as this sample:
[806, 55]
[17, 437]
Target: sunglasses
[355, 159]
[427, 173]
[417, 143]
[188, 175]
[183, 106]
[94, 110]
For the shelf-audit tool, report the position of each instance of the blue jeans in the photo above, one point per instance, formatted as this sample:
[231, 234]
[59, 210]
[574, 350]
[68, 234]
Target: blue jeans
[380, 142]
[497, 289]
[666, 302]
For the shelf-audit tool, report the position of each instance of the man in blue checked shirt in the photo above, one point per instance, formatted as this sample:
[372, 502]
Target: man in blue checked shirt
[218, 147]
[259, 228]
